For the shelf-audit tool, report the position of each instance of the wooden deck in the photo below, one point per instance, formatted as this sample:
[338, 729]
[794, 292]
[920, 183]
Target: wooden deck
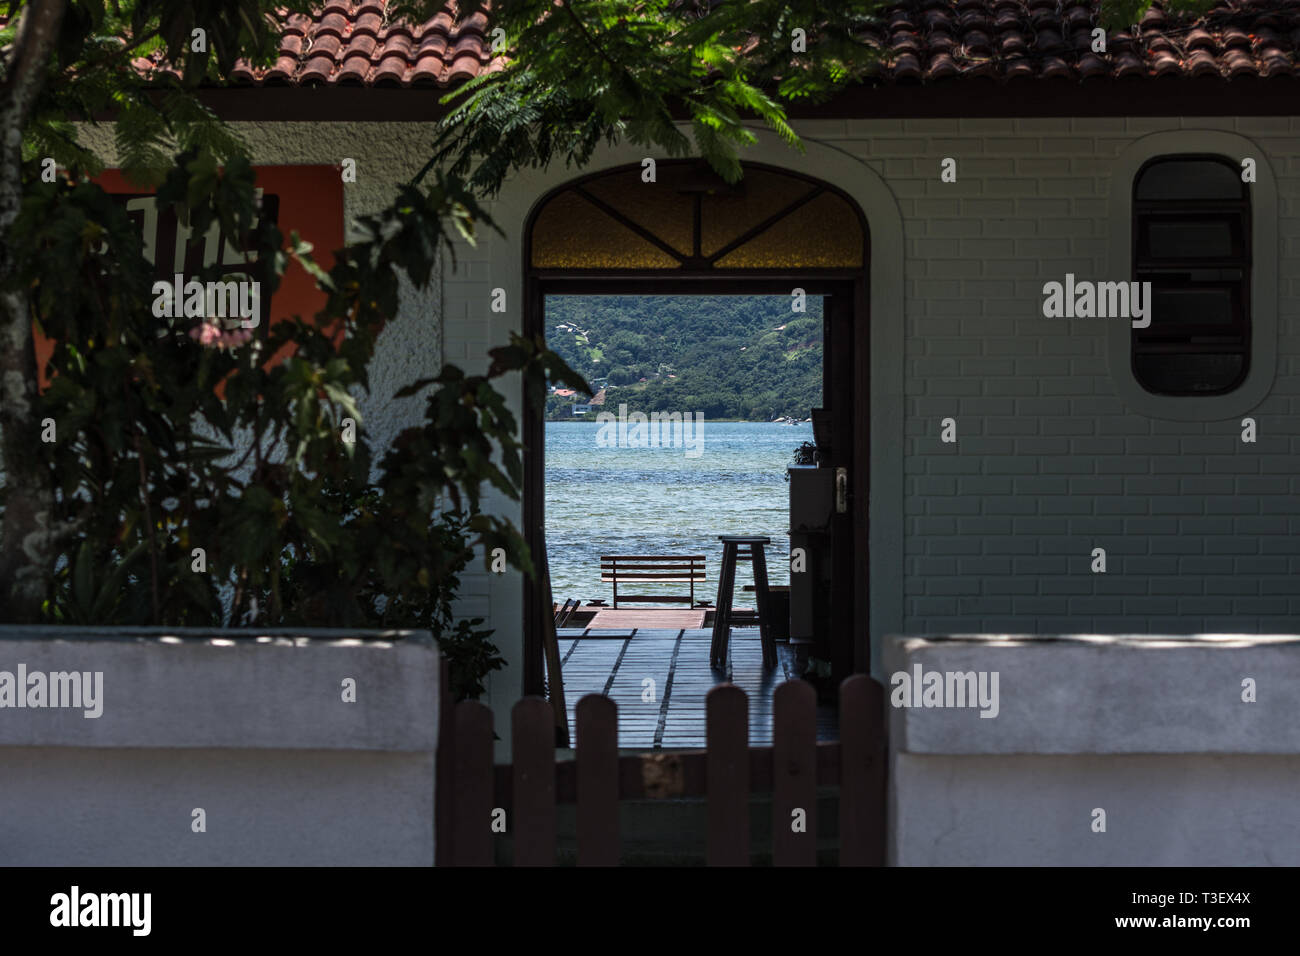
[647, 618]
[617, 661]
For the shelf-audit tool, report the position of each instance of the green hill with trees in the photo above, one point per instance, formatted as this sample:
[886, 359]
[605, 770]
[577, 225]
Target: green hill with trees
[747, 358]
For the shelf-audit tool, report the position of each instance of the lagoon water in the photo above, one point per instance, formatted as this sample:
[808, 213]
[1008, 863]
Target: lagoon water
[625, 500]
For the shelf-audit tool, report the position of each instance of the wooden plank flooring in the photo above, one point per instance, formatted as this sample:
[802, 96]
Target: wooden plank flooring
[616, 662]
[653, 618]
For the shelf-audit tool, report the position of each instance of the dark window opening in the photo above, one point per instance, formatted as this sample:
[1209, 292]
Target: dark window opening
[1191, 241]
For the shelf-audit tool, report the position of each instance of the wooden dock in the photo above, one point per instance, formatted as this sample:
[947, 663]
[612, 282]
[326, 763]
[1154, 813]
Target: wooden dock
[647, 619]
[659, 677]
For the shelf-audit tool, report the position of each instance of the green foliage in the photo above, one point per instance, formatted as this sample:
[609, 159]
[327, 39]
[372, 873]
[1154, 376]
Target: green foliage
[728, 356]
[579, 74]
[166, 446]
[1120, 14]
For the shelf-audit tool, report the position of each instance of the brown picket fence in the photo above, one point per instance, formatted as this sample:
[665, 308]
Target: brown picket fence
[470, 789]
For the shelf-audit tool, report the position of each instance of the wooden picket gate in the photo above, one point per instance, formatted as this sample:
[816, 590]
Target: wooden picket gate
[470, 789]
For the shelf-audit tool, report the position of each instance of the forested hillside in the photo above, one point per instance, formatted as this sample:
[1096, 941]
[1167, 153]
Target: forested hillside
[730, 357]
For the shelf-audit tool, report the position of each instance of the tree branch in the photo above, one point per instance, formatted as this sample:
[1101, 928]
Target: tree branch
[37, 34]
[27, 545]
[118, 53]
[590, 38]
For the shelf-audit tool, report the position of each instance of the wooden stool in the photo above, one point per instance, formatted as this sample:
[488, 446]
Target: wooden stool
[732, 552]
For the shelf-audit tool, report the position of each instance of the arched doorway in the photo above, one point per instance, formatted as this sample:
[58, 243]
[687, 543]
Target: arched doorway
[684, 230]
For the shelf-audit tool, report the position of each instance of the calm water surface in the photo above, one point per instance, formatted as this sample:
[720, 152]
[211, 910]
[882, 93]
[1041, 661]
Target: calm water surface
[659, 501]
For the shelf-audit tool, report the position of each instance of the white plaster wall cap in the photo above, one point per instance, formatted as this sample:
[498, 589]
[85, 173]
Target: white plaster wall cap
[916, 642]
[1095, 694]
[210, 690]
[218, 637]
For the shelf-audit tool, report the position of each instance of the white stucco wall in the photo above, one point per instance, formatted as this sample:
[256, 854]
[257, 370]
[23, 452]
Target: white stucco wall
[255, 732]
[1155, 733]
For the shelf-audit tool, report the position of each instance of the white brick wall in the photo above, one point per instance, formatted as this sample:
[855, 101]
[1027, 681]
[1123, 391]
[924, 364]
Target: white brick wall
[1202, 531]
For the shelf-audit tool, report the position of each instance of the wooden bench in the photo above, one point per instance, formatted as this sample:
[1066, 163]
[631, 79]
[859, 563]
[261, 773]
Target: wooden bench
[652, 569]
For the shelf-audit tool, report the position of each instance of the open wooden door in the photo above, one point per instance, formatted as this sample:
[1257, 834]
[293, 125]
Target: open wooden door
[840, 400]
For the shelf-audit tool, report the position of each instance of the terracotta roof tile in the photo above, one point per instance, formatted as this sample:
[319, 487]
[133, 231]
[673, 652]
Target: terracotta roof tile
[1019, 66]
[1091, 65]
[326, 44]
[907, 67]
[1079, 18]
[333, 21]
[397, 44]
[1167, 65]
[351, 42]
[1234, 37]
[1239, 63]
[361, 46]
[1202, 63]
[1005, 39]
[1055, 68]
[369, 22]
[1013, 44]
[1126, 64]
[942, 66]
[354, 68]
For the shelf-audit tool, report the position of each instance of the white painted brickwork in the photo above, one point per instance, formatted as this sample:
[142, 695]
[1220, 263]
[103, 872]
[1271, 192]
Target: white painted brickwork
[1201, 531]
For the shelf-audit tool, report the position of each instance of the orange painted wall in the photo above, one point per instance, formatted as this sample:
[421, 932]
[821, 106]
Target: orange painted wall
[311, 201]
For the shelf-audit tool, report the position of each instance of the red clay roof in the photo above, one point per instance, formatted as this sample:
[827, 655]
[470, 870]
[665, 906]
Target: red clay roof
[353, 44]
[932, 40]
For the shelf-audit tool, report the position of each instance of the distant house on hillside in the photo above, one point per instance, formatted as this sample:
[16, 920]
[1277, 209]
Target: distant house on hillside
[598, 398]
[564, 392]
[581, 409]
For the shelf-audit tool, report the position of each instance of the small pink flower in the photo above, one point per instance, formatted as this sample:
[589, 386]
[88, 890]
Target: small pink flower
[210, 334]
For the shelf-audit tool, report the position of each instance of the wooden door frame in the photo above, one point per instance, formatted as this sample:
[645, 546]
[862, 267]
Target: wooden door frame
[854, 654]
